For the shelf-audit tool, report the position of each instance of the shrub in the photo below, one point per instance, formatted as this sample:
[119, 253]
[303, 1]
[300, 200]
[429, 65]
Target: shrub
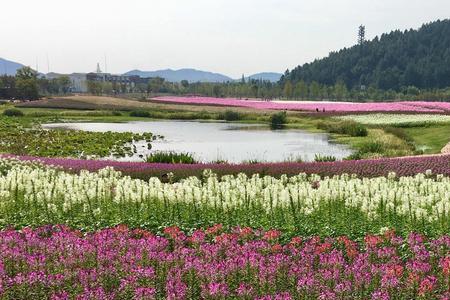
[324, 158]
[170, 157]
[230, 115]
[13, 112]
[140, 113]
[372, 147]
[278, 120]
[350, 128]
[354, 156]
[116, 113]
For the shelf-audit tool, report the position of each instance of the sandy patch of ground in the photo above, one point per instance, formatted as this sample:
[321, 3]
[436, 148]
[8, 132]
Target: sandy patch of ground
[446, 149]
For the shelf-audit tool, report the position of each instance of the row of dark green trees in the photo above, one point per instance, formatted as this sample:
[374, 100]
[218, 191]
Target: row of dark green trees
[27, 85]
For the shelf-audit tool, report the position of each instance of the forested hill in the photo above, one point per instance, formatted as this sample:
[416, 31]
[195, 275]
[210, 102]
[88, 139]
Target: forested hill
[418, 58]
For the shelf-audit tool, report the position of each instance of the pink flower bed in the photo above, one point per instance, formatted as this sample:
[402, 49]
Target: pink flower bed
[445, 106]
[412, 107]
[57, 263]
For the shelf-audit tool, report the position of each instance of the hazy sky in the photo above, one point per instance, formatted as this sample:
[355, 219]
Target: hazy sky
[227, 36]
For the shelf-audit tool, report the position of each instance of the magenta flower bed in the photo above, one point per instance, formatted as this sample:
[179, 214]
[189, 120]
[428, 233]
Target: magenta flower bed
[404, 106]
[55, 262]
[439, 164]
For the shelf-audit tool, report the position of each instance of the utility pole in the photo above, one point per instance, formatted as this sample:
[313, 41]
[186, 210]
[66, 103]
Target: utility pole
[361, 35]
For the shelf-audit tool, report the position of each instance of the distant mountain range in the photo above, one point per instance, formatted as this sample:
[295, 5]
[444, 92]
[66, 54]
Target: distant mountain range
[193, 75]
[266, 76]
[190, 75]
[9, 67]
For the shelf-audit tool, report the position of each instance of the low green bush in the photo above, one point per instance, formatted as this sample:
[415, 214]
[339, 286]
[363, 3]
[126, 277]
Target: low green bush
[170, 157]
[324, 158]
[140, 114]
[278, 120]
[372, 147]
[230, 115]
[347, 127]
[13, 112]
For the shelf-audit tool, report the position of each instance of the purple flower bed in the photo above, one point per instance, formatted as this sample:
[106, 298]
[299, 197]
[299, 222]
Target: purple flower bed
[57, 263]
[439, 164]
[350, 107]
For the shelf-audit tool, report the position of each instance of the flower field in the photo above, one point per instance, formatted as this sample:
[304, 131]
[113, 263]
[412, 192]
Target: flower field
[343, 107]
[70, 233]
[397, 119]
[407, 166]
[33, 194]
[54, 262]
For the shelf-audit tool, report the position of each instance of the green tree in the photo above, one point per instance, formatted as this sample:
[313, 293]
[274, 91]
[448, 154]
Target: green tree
[107, 88]
[94, 87]
[314, 90]
[288, 90]
[340, 90]
[185, 84]
[27, 83]
[255, 90]
[64, 83]
[217, 91]
[301, 90]
[156, 84]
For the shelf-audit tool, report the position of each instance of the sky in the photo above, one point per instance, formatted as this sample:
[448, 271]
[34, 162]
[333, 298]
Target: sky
[232, 37]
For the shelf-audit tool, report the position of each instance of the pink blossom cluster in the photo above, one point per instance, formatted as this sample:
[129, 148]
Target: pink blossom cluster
[55, 262]
[401, 106]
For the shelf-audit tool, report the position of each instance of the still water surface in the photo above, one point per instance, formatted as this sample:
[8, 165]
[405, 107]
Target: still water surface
[211, 141]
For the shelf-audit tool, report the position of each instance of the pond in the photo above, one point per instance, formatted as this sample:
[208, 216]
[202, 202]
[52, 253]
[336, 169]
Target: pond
[212, 141]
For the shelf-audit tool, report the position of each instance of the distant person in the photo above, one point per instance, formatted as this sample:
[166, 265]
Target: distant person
[317, 110]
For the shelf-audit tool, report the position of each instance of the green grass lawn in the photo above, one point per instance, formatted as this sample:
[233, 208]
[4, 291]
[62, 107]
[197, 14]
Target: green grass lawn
[434, 138]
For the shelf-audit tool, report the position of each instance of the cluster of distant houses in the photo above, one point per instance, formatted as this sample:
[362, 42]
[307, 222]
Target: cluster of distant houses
[80, 80]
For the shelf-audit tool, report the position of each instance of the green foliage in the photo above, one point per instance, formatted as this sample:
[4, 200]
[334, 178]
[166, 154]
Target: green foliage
[288, 90]
[372, 147]
[27, 84]
[401, 134]
[324, 158]
[230, 115]
[94, 87]
[350, 128]
[12, 112]
[170, 158]
[413, 59]
[278, 120]
[300, 205]
[140, 114]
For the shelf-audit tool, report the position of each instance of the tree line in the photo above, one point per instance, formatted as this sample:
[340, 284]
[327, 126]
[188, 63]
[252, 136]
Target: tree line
[393, 61]
[27, 85]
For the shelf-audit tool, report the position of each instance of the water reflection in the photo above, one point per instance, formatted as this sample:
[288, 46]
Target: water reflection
[211, 141]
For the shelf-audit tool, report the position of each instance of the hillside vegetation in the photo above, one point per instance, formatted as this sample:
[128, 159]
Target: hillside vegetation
[419, 58]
